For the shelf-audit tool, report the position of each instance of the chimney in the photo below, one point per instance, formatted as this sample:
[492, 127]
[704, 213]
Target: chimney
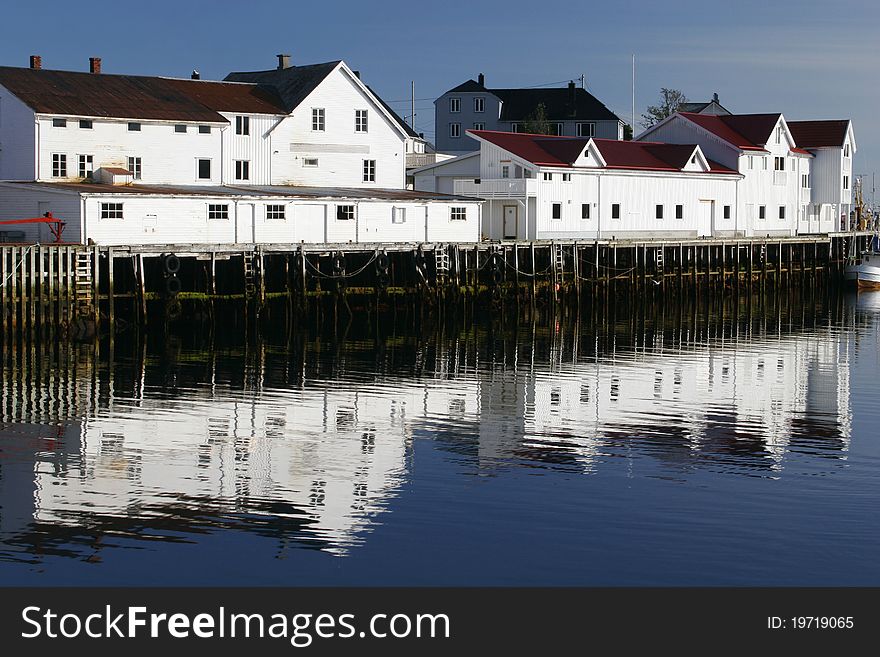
[571, 92]
[481, 79]
[36, 62]
[195, 75]
[357, 74]
[715, 97]
[94, 65]
[283, 61]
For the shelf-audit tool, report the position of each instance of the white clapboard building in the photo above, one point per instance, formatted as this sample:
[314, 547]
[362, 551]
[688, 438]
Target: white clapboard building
[292, 154]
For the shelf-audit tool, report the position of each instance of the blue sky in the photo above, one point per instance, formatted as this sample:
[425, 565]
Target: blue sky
[807, 59]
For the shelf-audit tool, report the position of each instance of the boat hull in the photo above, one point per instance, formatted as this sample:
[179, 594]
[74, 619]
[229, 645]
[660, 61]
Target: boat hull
[864, 274]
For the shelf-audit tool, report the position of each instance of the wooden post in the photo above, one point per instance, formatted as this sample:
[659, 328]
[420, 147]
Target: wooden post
[110, 291]
[534, 274]
[142, 292]
[577, 272]
[3, 281]
[213, 274]
[96, 286]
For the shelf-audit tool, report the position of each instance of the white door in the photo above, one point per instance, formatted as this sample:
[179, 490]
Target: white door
[510, 222]
[308, 224]
[706, 218]
[245, 225]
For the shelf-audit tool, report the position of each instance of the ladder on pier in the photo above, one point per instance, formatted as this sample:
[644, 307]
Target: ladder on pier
[658, 260]
[82, 282]
[558, 263]
[441, 261]
[250, 274]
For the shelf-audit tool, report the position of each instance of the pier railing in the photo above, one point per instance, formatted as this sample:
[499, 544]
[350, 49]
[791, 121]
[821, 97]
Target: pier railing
[496, 188]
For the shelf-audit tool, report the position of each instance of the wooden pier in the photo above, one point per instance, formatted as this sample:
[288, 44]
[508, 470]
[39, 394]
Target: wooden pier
[84, 288]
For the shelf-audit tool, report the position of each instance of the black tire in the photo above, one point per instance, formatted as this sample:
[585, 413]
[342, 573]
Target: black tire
[173, 310]
[172, 286]
[171, 264]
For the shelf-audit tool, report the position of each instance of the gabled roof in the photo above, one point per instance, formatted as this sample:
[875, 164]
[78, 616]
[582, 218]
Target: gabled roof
[72, 93]
[745, 131]
[700, 108]
[817, 134]
[470, 85]
[412, 134]
[292, 84]
[549, 151]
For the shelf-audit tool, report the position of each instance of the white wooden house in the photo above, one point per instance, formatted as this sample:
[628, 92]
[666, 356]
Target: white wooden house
[773, 193]
[297, 153]
[547, 187]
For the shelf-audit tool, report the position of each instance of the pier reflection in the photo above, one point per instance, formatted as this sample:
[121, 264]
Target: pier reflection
[308, 437]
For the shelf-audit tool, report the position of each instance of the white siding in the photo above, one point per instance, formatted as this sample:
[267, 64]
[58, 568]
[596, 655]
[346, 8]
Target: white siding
[254, 148]
[17, 138]
[22, 202]
[167, 157]
[681, 131]
[339, 149]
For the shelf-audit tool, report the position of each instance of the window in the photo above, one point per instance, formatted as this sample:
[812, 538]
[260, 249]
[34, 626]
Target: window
[586, 129]
[344, 213]
[369, 170]
[181, 128]
[585, 211]
[566, 177]
[846, 182]
[805, 180]
[398, 215]
[782, 212]
[242, 170]
[479, 126]
[514, 127]
[59, 123]
[85, 124]
[86, 166]
[218, 211]
[846, 150]
[360, 120]
[727, 212]
[318, 119]
[455, 130]
[134, 127]
[560, 129]
[242, 125]
[505, 171]
[751, 162]
[59, 165]
[779, 164]
[615, 211]
[204, 130]
[310, 161]
[111, 210]
[455, 104]
[134, 165]
[204, 172]
[658, 212]
[548, 175]
[458, 214]
[679, 212]
[479, 104]
[764, 163]
[275, 212]
[557, 211]
[762, 212]
[779, 135]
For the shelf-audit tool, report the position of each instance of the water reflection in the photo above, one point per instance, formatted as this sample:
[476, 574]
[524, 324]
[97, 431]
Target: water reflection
[309, 440]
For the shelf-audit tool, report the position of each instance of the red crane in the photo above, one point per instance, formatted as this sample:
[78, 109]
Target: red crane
[56, 226]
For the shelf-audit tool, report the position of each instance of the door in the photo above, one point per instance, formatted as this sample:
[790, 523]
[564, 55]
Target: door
[706, 218]
[308, 224]
[510, 222]
[245, 225]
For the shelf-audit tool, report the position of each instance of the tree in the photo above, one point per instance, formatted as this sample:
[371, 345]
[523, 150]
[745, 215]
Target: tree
[537, 122]
[670, 101]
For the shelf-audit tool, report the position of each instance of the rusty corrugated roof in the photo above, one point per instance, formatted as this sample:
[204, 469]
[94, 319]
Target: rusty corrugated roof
[231, 96]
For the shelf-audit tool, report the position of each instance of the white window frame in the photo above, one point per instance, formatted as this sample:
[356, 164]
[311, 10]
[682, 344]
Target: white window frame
[454, 105]
[218, 211]
[243, 125]
[181, 129]
[560, 129]
[457, 213]
[345, 212]
[135, 167]
[86, 124]
[553, 211]
[276, 212]
[479, 125]
[846, 183]
[679, 211]
[548, 176]
[242, 169]
[85, 165]
[112, 211]
[479, 104]
[782, 213]
[205, 130]
[59, 123]
[615, 208]
[319, 119]
[566, 177]
[762, 212]
[361, 123]
[505, 171]
[210, 162]
[589, 132]
[585, 211]
[398, 215]
[454, 130]
[59, 165]
[514, 127]
[310, 162]
[369, 171]
[778, 163]
[658, 211]
[134, 126]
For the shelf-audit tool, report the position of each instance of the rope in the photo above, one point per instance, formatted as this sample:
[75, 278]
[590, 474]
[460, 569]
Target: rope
[321, 274]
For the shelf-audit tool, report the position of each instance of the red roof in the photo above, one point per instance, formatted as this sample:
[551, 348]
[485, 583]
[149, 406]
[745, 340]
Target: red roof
[545, 150]
[749, 132]
[816, 134]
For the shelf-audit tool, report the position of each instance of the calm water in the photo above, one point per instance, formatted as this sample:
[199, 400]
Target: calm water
[667, 444]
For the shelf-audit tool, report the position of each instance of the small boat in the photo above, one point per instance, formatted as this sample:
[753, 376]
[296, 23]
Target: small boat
[865, 271]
